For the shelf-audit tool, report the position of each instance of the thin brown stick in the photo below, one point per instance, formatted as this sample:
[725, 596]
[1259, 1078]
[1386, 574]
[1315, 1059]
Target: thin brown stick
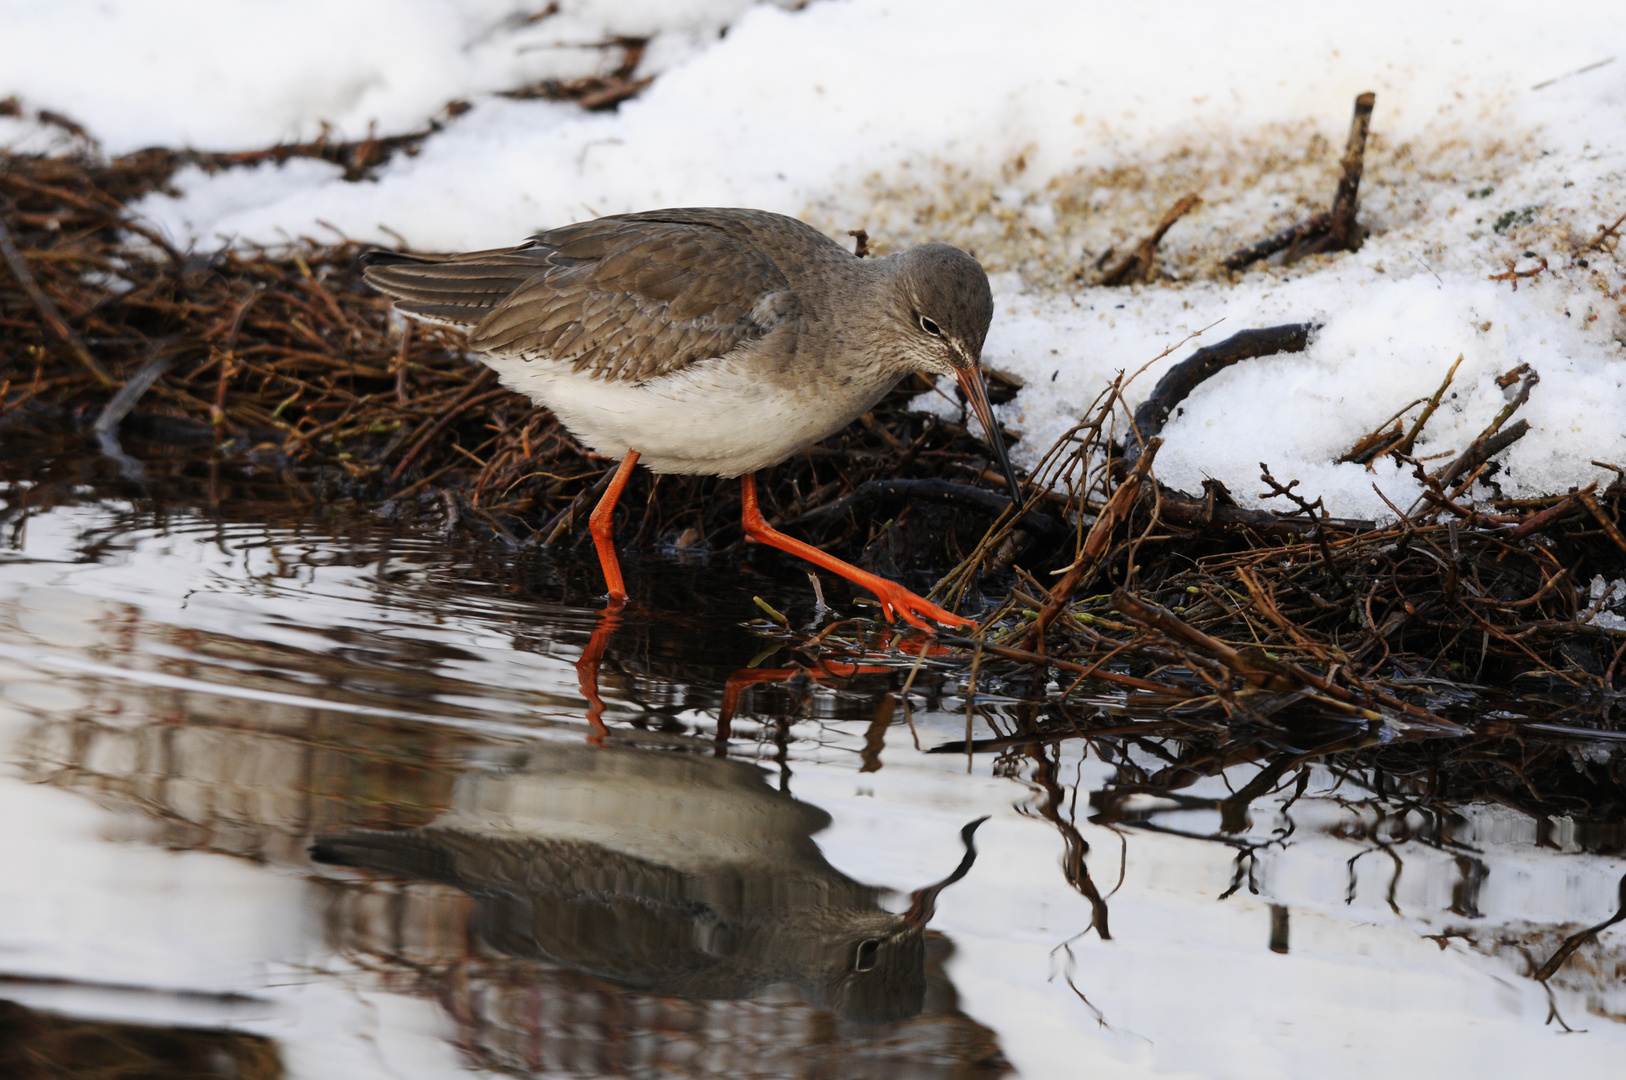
[1291, 237]
[464, 401]
[1342, 234]
[47, 309]
[1604, 233]
[1335, 229]
[1481, 450]
[1140, 265]
[1590, 501]
[1428, 410]
[1542, 519]
[1095, 544]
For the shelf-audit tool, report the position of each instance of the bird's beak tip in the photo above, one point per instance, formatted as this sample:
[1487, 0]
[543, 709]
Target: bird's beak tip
[971, 381]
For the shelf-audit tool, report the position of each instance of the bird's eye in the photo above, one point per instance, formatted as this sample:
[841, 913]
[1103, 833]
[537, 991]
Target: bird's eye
[867, 951]
[929, 326]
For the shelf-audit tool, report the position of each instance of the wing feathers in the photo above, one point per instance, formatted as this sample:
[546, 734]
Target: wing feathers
[630, 297]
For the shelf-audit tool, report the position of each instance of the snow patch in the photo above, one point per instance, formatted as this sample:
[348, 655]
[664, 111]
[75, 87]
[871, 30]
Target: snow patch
[1038, 135]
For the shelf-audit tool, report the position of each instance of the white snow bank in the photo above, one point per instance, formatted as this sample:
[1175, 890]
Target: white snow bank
[243, 74]
[1037, 135]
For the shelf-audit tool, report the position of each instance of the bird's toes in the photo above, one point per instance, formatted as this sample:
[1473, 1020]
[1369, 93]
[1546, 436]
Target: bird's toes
[915, 610]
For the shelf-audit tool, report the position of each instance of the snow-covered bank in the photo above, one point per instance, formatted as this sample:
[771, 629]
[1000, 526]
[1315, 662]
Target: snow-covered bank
[240, 75]
[1036, 134]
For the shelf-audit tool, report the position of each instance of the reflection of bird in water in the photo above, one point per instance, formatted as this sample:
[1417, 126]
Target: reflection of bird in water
[669, 873]
[710, 341]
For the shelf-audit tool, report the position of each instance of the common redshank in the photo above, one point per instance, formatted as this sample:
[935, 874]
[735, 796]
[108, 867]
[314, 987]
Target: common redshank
[710, 341]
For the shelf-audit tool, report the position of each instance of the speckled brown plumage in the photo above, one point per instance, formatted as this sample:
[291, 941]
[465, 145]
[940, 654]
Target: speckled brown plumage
[715, 341]
[631, 297]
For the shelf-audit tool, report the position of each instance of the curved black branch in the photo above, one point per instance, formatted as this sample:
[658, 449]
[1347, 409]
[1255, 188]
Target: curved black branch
[923, 902]
[1179, 381]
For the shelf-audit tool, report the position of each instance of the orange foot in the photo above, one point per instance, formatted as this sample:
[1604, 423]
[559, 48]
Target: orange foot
[900, 602]
[896, 601]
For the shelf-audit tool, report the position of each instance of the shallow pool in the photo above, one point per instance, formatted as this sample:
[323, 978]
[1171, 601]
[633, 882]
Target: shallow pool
[189, 703]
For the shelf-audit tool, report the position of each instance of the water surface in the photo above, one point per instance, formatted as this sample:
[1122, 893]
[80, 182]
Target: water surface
[191, 698]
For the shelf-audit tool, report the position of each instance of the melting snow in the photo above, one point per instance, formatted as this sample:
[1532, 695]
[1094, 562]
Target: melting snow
[1035, 134]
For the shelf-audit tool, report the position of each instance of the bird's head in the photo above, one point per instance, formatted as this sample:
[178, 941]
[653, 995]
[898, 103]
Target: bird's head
[943, 299]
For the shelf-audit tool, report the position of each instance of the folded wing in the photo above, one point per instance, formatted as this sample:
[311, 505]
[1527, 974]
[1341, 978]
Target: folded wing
[630, 297]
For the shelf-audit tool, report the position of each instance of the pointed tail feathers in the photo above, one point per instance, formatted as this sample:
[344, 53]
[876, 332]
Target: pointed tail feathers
[456, 289]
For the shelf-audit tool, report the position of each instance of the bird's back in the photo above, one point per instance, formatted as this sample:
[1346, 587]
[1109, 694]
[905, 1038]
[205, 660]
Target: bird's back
[712, 341]
[629, 297]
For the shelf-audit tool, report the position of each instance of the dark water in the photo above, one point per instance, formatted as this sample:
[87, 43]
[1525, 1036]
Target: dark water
[190, 699]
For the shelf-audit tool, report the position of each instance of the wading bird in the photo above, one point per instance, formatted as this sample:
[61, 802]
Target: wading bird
[710, 341]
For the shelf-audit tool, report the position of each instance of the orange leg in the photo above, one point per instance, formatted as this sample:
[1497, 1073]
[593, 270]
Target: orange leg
[587, 669]
[602, 525]
[895, 599]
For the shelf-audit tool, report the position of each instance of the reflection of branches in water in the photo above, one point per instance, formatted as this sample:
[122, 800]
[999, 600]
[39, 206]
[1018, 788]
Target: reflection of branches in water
[1247, 856]
[1384, 809]
[1575, 941]
[1544, 974]
[1391, 825]
[1046, 768]
[1393, 792]
[1234, 809]
[1068, 967]
[1553, 1013]
[1394, 882]
[1385, 845]
[1247, 861]
[1234, 817]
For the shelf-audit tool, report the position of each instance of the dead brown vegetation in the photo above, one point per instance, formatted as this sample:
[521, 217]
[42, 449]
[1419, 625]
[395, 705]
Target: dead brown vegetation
[287, 364]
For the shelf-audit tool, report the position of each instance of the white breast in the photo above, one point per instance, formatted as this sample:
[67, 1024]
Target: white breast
[716, 417]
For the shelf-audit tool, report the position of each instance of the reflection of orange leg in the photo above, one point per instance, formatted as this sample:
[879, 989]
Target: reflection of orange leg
[587, 669]
[894, 597]
[602, 525]
[735, 686]
[740, 680]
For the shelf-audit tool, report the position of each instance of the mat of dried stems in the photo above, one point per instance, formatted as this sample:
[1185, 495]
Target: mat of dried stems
[287, 362]
[1110, 603]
